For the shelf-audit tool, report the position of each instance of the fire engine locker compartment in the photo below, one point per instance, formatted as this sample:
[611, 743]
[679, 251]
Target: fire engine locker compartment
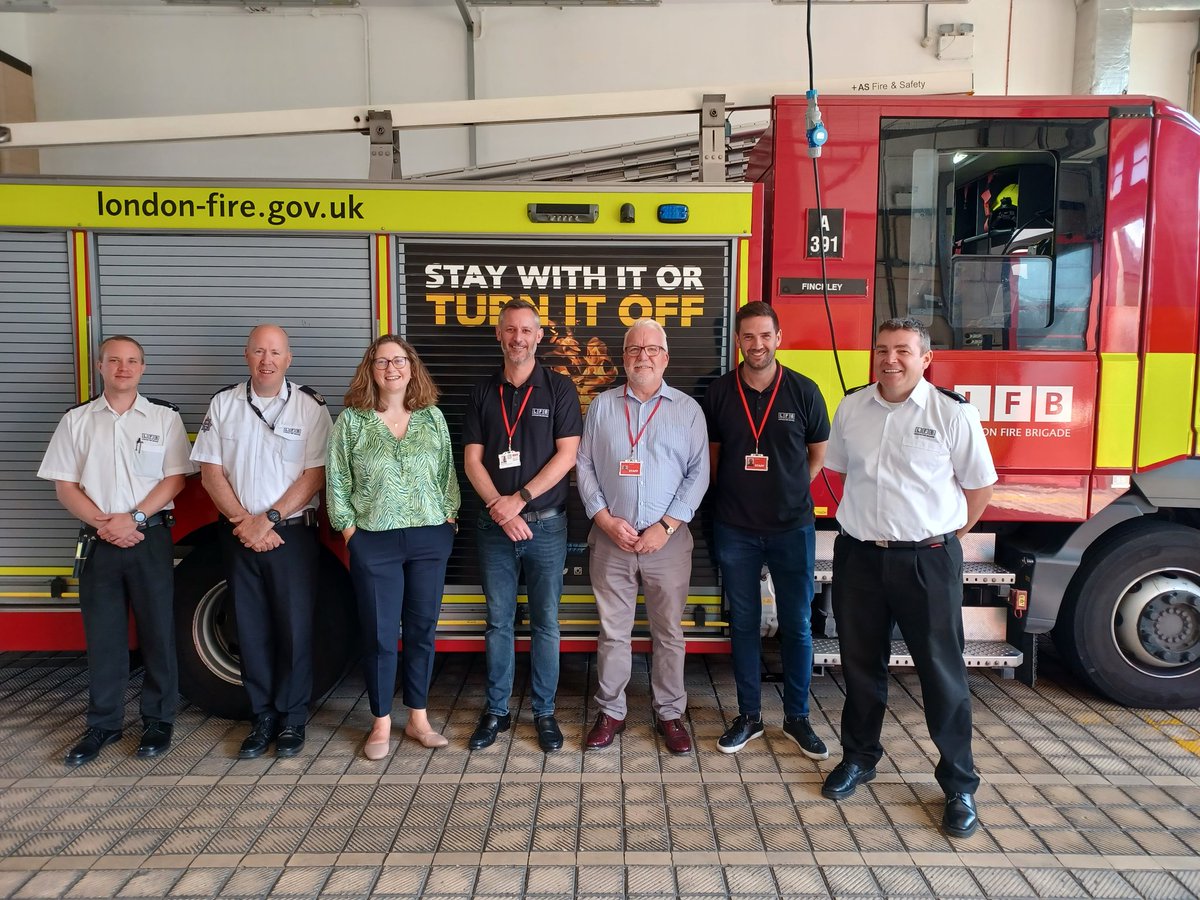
[37, 385]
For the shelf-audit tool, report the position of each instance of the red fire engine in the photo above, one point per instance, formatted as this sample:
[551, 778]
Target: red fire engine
[1052, 246]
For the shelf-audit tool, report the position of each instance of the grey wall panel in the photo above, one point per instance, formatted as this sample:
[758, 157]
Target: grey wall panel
[37, 385]
[192, 300]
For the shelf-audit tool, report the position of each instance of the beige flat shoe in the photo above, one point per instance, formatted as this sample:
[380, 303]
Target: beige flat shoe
[377, 749]
[430, 739]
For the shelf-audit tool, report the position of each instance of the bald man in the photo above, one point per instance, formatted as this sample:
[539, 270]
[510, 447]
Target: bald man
[262, 452]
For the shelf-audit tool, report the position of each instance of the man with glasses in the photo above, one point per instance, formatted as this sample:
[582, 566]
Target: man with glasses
[521, 433]
[642, 472]
[261, 451]
[117, 463]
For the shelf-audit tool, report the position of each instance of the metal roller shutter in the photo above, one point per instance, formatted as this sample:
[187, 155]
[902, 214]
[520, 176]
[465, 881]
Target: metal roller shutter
[192, 300]
[37, 385]
[583, 338]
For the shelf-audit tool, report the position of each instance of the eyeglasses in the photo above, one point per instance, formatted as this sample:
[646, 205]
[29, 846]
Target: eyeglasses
[652, 350]
[400, 362]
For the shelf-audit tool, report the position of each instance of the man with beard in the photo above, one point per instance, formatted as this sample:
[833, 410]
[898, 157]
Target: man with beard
[521, 433]
[767, 430]
[643, 470]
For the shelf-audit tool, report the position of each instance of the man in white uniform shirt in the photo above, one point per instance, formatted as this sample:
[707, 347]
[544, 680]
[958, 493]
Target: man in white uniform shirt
[117, 463]
[918, 476]
[262, 451]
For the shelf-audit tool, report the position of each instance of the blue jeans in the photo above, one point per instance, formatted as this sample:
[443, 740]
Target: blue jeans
[789, 555]
[501, 561]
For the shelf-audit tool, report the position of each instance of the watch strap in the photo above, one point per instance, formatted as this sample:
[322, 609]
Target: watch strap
[525, 495]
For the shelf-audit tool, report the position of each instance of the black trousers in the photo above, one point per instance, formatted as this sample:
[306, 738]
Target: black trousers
[274, 594]
[115, 580]
[921, 590]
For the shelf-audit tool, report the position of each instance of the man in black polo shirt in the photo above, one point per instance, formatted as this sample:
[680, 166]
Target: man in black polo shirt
[521, 432]
[767, 431]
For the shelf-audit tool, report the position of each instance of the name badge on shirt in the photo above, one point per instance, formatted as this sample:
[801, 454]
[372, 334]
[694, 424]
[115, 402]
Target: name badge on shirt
[510, 459]
[756, 462]
[630, 468]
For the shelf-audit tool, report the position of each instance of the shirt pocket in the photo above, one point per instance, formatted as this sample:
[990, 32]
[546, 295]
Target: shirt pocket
[148, 460]
[927, 456]
[291, 448]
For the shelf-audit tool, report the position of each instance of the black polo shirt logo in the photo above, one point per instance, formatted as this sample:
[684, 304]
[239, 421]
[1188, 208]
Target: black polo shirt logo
[787, 417]
[539, 412]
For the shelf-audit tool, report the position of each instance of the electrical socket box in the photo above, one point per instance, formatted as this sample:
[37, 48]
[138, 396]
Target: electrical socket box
[956, 46]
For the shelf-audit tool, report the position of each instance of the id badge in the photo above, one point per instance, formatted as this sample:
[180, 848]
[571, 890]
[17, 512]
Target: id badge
[510, 459]
[630, 468]
[756, 462]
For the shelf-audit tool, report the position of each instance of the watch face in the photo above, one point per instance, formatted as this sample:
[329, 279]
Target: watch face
[139, 516]
[273, 515]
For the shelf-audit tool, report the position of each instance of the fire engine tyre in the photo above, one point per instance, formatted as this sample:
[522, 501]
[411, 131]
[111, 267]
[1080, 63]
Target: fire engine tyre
[206, 632]
[1130, 625]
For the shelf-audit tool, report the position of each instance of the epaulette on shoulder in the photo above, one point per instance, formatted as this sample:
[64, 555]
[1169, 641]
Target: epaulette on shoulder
[83, 403]
[312, 393]
[157, 402]
[855, 390]
[228, 387]
[952, 395]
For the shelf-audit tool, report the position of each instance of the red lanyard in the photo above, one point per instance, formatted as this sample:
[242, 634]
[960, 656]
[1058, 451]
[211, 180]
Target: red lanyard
[512, 429]
[633, 441]
[757, 432]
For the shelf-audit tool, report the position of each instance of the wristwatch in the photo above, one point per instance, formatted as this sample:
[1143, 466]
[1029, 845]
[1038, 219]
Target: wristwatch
[525, 495]
[139, 517]
[274, 517]
[669, 528]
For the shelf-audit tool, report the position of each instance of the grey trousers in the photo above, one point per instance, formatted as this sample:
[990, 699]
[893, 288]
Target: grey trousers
[664, 577]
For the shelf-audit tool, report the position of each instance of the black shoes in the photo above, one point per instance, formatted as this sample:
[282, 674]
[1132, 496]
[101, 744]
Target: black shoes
[743, 730]
[845, 777]
[259, 739]
[489, 726]
[798, 729]
[290, 741]
[156, 739]
[550, 736]
[94, 740]
[960, 818]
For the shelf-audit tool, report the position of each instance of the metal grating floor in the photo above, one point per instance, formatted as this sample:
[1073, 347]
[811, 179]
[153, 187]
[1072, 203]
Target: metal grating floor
[1079, 799]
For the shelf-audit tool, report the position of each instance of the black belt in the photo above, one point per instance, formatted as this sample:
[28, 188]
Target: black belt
[936, 541]
[538, 514]
[308, 517]
[159, 518]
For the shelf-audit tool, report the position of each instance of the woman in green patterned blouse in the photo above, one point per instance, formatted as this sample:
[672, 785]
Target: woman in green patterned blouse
[393, 493]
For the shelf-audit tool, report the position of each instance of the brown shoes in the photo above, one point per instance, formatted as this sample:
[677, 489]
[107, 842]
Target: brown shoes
[604, 731]
[675, 736]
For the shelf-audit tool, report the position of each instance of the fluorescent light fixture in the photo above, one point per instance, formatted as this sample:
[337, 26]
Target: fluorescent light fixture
[267, 4]
[559, 3]
[27, 6]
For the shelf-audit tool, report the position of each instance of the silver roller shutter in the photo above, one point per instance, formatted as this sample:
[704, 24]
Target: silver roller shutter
[192, 300]
[37, 385]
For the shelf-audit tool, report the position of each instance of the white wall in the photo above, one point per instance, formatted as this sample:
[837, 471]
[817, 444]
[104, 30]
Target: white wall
[14, 36]
[155, 61]
[1160, 59]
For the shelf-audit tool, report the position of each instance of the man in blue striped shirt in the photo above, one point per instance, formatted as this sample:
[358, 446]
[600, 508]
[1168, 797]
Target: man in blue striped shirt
[642, 471]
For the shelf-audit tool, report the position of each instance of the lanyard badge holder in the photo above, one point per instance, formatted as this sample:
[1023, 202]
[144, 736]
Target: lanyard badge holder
[510, 458]
[757, 462]
[632, 467]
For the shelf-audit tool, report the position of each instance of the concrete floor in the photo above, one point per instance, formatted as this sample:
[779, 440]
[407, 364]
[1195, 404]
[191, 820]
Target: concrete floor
[1080, 798]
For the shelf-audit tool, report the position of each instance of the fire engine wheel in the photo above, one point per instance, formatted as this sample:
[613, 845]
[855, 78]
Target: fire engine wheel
[206, 637]
[1130, 626]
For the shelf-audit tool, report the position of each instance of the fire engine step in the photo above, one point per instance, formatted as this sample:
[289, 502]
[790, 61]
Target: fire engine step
[978, 654]
[979, 566]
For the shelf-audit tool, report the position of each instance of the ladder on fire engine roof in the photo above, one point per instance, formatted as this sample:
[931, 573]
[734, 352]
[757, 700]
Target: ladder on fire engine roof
[669, 159]
[382, 124]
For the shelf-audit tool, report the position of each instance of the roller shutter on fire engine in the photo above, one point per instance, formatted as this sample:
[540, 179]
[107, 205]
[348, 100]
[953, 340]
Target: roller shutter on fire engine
[588, 293]
[192, 299]
[37, 385]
